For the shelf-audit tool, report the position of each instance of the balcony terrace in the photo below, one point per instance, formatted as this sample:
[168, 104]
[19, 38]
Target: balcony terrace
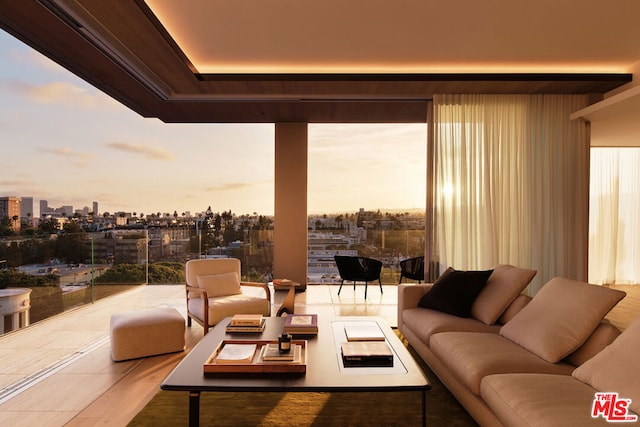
[59, 371]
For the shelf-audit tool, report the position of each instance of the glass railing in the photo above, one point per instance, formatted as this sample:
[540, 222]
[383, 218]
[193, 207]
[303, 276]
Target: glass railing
[387, 246]
[67, 270]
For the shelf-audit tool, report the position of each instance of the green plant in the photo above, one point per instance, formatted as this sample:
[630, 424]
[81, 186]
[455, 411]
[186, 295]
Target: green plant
[160, 272]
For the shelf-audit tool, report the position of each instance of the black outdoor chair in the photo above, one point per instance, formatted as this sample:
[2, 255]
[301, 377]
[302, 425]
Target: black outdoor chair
[358, 269]
[412, 268]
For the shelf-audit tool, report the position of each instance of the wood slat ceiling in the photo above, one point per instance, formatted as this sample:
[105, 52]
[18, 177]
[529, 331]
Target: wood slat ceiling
[123, 50]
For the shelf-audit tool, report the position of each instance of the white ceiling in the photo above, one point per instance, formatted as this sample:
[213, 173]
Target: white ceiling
[500, 36]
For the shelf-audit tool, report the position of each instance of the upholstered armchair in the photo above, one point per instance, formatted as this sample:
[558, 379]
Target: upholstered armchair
[358, 269]
[412, 268]
[214, 291]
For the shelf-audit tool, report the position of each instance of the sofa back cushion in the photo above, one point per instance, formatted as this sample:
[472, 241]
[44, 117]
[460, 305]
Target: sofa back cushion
[455, 291]
[503, 286]
[560, 317]
[616, 368]
[604, 335]
[514, 308]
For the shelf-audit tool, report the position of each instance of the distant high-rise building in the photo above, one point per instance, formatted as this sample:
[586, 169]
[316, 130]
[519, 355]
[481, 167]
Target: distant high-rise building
[95, 209]
[44, 207]
[66, 210]
[26, 208]
[82, 212]
[10, 208]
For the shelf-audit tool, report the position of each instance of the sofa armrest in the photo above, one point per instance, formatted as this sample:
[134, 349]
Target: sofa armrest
[408, 297]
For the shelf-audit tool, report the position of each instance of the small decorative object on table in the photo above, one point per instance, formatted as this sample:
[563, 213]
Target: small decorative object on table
[284, 343]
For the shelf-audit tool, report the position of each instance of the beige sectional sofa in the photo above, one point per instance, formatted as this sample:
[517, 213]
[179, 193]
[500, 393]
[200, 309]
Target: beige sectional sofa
[521, 361]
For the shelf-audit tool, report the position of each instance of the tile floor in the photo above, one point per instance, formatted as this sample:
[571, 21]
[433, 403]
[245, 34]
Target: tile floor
[59, 371]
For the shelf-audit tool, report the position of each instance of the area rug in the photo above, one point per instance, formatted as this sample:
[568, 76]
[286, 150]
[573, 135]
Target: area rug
[170, 408]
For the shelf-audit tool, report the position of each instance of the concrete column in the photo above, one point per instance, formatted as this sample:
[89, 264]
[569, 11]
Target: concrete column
[290, 209]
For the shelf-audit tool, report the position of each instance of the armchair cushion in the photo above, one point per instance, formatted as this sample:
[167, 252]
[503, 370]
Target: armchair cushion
[455, 291]
[560, 317]
[221, 284]
[616, 368]
[502, 288]
[221, 307]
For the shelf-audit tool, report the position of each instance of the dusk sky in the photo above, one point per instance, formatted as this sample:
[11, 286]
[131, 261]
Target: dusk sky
[70, 144]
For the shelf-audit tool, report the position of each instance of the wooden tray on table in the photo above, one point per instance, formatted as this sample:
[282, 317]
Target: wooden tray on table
[248, 358]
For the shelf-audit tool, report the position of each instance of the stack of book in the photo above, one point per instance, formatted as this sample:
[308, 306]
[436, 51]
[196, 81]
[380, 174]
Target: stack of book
[363, 331]
[366, 354]
[279, 284]
[301, 324]
[247, 323]
[366, 345]
[271, 353]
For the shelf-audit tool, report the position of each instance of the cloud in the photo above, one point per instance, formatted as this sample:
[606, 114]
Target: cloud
[145, 150]
[24, 56]
[232, 186]
[78, 159]
[13, 183]
[58, 93]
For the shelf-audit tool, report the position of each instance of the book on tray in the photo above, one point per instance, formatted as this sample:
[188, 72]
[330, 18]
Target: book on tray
[271, 353]
[236, 353]
[247, 329]
[366, 353]
[301, 324]
[363, 331]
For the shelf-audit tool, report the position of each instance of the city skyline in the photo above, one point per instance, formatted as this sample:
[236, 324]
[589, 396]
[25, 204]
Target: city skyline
[68, 143]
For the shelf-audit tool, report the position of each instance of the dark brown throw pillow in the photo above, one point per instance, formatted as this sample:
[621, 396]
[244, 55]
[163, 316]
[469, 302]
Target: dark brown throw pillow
[455, 291]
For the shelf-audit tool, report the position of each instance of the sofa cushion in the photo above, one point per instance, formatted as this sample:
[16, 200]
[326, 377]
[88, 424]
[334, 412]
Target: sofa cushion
[455, 291]
[604, 335]
[616, 368]
[503, 286]
[539, 400]
[222, 284]
[424, 322]
[514, 308]
[470, 356]
[560, 317]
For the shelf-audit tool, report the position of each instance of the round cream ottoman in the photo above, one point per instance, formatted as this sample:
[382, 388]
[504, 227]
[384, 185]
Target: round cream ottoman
[149, 332]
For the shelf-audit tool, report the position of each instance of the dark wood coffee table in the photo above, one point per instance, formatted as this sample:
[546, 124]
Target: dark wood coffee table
[325, 370]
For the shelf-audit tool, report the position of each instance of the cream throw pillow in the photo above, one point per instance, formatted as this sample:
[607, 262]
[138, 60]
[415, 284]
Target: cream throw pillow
[503, 287]
[218, 285]
[616, 368]
[560, 317]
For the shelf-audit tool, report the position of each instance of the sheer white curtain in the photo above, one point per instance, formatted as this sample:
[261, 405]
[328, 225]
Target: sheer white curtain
[510, 183]
[614, 217]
